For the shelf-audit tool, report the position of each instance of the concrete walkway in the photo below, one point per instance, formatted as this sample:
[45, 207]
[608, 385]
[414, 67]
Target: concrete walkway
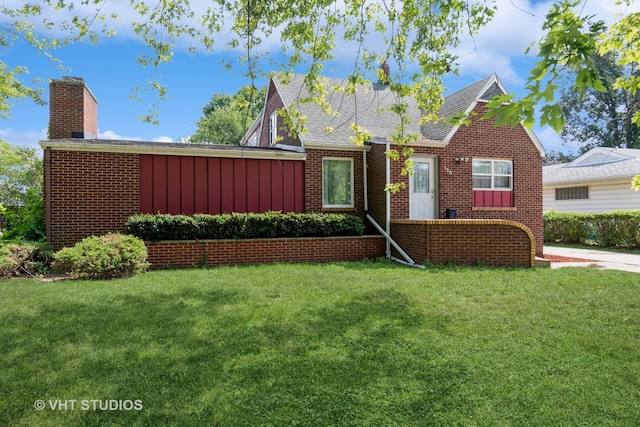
[602, 259]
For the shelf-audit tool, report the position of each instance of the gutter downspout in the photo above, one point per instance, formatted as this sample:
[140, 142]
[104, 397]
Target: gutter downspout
[390, 241]
[366, 183]
[46, 192]
[387, 233]
[388, 198]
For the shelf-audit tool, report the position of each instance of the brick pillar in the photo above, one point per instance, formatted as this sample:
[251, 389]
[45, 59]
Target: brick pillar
[73, 110]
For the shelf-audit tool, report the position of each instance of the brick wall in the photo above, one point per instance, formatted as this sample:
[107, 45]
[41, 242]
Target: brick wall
[376, 181]
[274, 103]
[184, 254]
[496, 243]
[455, 187]
[88, 193]
[73, 108]
[313, 181]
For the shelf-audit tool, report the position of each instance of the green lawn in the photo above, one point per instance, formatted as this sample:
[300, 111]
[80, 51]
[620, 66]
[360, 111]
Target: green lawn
[354, 344]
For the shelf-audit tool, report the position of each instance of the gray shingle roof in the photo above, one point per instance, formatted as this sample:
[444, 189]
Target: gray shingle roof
[369, 107]
[600, 163]
[455, 103]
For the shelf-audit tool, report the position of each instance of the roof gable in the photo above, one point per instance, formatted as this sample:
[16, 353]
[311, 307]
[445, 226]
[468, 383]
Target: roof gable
[599, 156]
[493, 90]
[370, 108]
[600, 163]
[462, 101]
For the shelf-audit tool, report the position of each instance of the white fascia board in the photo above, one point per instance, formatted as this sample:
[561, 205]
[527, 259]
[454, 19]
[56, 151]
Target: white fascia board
[339, 147]
[420, 143]
[286, 106]
[170, 149]
[429, 143]
[582, 182]
[493, 79]
[536, 142]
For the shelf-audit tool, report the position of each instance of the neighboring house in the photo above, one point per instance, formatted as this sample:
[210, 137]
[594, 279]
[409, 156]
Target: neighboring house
[470, 172]
[475, 171]
[597, 181]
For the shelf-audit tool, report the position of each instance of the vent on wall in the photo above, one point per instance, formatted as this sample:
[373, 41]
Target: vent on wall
[82, 135]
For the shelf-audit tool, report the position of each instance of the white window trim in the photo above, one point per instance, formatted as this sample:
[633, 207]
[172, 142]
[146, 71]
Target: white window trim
[492, 175]
[273, 128]
[344, 159]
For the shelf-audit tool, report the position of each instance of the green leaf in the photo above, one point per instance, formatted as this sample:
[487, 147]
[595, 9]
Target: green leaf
[551, 115]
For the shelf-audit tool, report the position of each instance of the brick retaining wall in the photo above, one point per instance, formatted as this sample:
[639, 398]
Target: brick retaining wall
[498, 243]
[185, 254]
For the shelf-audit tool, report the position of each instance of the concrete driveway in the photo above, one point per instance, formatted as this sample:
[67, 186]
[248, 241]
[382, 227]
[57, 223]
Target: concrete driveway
[588, 257]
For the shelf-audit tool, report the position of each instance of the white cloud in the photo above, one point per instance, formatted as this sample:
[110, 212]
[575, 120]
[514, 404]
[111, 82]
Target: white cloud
[516, 25]
[162, 139]
[551, 141]
[126, 16]
[109, 134]
[501, 44]
[29, 138]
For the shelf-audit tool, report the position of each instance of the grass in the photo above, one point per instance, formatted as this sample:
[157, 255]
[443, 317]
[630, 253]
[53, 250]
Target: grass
[367, 343]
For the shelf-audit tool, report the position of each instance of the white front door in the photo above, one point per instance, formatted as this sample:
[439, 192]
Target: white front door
[422, 190]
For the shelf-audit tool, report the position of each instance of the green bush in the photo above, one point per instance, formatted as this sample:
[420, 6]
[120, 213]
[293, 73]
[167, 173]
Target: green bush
[103, 257]
[242, 226]
[613, 229]
[27, 221]
[566, 227]
[24, 258]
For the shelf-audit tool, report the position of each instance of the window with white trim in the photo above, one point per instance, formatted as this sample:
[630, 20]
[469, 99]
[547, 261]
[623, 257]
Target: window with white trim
[337, 182]
[273, 128]
[492, 174]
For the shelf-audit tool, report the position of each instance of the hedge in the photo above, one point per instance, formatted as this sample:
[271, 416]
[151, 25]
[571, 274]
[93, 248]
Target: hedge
[612, 229]
[156, 227]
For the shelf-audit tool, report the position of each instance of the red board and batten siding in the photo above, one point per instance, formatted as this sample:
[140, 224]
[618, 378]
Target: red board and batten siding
[214, 185]
[492, 198]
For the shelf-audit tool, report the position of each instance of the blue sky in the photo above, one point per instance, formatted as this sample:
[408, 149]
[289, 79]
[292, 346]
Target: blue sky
[110, 71]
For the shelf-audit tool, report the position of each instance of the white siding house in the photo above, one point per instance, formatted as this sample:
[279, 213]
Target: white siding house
[597, 181]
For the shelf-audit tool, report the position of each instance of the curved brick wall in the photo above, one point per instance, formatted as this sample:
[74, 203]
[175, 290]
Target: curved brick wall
[498, 243]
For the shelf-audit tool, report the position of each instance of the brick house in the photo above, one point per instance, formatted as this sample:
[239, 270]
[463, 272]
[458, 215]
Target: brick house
[489, 177]
[92, 186]
[476, 171]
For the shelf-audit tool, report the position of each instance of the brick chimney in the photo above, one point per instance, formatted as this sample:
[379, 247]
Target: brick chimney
[73, 110]
[386, 71]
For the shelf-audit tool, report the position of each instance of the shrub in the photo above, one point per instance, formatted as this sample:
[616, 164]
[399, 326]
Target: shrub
[613, 229]
[26, 222]
[24, 258]
[243, 226]
[103, 257]
[566, 227]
